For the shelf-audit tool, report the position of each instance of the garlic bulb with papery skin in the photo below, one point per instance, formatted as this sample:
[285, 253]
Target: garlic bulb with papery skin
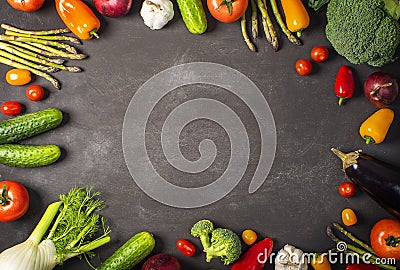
[157, 13]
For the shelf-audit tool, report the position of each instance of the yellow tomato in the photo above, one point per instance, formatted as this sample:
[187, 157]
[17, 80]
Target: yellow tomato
[349, 218]
[18, 76]
[249, 237]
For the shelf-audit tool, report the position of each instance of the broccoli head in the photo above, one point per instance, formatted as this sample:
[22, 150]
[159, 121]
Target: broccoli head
[363, 31]
[203, 229]
[225, 245]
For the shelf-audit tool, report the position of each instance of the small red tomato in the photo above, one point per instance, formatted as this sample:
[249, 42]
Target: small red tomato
[14, 200]
[186, 247]
[347, 189]
[303, 67]
[11, 108]
[319, 54]
[34, 92]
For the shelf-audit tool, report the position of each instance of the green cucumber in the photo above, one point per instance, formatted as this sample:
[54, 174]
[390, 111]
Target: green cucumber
[193, 15]
[28, 125]
[131, 253]
[28, 156]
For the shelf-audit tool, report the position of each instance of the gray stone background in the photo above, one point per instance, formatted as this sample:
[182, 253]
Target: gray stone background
[297, 201]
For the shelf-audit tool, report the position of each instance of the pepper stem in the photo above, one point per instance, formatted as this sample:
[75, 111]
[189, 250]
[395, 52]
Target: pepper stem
[369, 139]
[341, 101]
[93, 33]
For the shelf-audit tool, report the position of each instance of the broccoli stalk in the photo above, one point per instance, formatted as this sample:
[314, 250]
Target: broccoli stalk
[225, 245]
[364, 32]
[202, 229]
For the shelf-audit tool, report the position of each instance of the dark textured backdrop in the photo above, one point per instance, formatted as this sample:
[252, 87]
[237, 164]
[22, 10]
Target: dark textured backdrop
[297, 201]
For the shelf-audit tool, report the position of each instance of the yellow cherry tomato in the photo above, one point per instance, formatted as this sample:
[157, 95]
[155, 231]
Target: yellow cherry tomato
[375, 127]
[249, 237]
[320, 262]
[18, 76]
[349, 218]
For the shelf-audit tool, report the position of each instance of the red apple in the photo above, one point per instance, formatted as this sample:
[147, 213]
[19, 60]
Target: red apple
[113, 8]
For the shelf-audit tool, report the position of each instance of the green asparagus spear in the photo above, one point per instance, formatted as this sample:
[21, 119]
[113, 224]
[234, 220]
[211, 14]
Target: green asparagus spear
[282, 24]
[54, 52]
[245, 35]
[38, 33]
[46, 43]
[354, 238]
[42, 74]
[269, 28]
[34, 48]
[254, 19]
[55, 66]
[41, 58]
[18, 59]
[54, 38]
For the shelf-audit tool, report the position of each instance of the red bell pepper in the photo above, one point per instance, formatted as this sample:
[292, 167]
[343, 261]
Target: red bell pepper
[255, 257]
[362, 266]
[344, 84]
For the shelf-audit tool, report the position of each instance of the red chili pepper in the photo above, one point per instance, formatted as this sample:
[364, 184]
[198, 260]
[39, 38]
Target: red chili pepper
[256, 256]
[362, 267]
[344, 84]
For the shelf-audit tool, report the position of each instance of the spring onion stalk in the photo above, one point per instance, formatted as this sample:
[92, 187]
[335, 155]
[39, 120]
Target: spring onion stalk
[74, 231]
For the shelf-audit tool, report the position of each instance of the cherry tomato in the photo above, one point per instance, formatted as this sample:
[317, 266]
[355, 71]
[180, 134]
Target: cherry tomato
[385, 238]
[11, 108]
[349, 218]
[319, 54]
[14, 200]
[18, 76]
[26, 5]
[34, 92]
[347, 189]
[186, 247]
[227, 10]
[249, 237]
[303, 67]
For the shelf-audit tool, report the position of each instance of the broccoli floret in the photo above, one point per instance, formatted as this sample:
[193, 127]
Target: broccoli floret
[363, 31]
[225, 245]
[203, 229]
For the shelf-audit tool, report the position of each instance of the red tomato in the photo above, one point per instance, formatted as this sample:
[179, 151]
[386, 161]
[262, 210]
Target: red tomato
[227, 11]
[18, 76]
[385, 238]
[14, 200]
[26, 5]
[186, 247]
[347, 189]
[34, 92]
[319, 54]
[11, 108]
[303, 67]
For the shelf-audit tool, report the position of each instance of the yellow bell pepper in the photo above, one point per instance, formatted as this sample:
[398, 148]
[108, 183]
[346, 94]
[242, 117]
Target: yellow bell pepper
[376, 126]
[297, 18]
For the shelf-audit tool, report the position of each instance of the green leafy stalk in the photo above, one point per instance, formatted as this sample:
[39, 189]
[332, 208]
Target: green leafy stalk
[245, 35]
[282, 24]
[50, 38]
[37, 72]
[38, 33]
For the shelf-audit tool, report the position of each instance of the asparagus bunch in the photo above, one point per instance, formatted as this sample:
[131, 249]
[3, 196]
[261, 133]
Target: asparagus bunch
[261, 6]
[40, 52]
[362, 249]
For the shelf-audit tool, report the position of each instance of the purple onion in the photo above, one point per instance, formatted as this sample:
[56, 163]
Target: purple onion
[381, 89]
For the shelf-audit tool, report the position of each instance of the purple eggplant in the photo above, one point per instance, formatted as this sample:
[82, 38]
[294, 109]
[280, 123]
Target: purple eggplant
[378, 179]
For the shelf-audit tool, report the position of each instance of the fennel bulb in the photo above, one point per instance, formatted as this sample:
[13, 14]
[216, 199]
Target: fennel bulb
[74, 224]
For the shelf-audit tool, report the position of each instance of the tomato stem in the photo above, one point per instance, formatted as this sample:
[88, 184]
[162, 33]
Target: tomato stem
[228, 4]
[392, 241]
[4, 198]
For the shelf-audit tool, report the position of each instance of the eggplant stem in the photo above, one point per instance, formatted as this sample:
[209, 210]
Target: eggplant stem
[348, 159]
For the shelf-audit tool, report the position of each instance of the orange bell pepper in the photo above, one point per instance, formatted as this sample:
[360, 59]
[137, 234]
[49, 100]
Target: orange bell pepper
[79, 18]
[320, 262]
[297, 18]
[375, 127]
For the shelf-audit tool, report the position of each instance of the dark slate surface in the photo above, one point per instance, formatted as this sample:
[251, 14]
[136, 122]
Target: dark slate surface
[297, 201]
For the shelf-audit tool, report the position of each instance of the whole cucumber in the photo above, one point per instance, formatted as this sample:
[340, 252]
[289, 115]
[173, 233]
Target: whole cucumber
[28, 156]
[193, 15]
[28, 125]
[131, 253]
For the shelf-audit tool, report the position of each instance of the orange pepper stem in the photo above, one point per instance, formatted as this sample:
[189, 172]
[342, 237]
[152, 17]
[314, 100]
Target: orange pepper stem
[369, 139]
[93, 33]
[298, 33]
